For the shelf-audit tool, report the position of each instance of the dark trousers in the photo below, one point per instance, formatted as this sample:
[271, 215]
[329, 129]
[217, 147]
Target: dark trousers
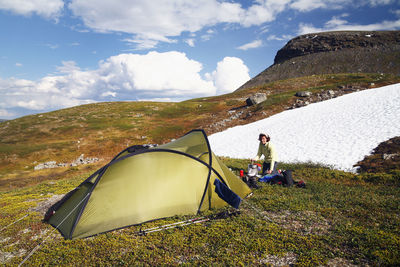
[266, 167]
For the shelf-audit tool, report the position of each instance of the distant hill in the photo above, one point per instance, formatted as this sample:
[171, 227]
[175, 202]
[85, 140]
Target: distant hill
[334, 52]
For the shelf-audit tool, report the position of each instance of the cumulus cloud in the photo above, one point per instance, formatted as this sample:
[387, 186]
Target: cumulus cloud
[230, 74]
[262, 11]
[340, 24]
[169, 76]
[6, 114]
[380, 2]
[251, 45]
[308, 5]
[152, 21]
[284, 37]
[44, 8]
[190, 42]
[157, 21]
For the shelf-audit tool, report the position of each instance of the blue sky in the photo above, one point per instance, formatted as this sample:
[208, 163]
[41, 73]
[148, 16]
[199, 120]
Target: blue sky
[56, 54]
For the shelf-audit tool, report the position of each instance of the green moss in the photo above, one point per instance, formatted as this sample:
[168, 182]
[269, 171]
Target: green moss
[335, 216]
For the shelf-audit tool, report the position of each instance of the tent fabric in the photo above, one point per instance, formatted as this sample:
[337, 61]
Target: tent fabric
[142, 185]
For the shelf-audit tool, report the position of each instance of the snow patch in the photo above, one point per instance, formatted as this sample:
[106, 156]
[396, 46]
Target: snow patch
[338, 132]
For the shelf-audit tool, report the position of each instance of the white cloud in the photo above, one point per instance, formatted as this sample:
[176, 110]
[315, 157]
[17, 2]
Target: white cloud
[169, 76]
[263, 11]
[380, 2]
[19, 93]
[338, 24]
[190, 42]
[18, 64]
[6, 114]
[161, 73]
[44, 8]
[230, 74]
[251, 45]
[284, 37]
[109, 93]
[152, 20]
[157, 21]
[208, 35]
[308, 5]
[396, 12]
[52, 46]
[67, 67]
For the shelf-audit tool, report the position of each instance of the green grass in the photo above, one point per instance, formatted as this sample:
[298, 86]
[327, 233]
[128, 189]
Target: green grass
[353, 218]
[338, 215]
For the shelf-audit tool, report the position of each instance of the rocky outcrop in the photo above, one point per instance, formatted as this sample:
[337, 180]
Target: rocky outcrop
[333, 52]
[335, 41]
[53, 164]
[385, 157]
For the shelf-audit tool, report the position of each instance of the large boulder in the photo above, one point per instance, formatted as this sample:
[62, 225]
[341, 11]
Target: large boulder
[256, 99]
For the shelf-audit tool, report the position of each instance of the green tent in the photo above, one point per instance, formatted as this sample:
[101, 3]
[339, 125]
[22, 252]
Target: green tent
[137, 186]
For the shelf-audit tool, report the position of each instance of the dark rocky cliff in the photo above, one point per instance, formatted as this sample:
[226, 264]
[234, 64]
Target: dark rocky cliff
[334, 52]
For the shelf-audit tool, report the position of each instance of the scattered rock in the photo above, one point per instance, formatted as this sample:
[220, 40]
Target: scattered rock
[385, 157]
[303, 94]
[256, 99]
[390, 156]
[53, 164]
[339, 262]
[287, 260]
[308, 98]
[43, 206]
[82, 160]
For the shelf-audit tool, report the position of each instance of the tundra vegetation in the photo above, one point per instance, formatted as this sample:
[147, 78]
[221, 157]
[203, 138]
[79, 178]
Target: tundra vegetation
[340, 218]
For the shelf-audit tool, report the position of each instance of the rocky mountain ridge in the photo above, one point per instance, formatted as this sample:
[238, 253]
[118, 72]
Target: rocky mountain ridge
[336, 41]
[334, 52]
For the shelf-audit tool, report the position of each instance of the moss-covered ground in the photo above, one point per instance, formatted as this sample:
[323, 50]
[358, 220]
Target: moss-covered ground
[340, 218]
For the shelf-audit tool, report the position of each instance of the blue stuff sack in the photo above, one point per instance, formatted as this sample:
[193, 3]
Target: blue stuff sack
[269, 177]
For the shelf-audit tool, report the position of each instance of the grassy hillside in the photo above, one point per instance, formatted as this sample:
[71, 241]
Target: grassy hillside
[339, 219]
[102, 130]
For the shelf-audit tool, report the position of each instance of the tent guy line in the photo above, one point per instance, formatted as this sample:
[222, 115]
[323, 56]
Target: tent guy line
[47, 237]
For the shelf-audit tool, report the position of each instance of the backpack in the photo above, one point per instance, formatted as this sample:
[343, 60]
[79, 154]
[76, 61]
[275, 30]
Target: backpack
[287, 179]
